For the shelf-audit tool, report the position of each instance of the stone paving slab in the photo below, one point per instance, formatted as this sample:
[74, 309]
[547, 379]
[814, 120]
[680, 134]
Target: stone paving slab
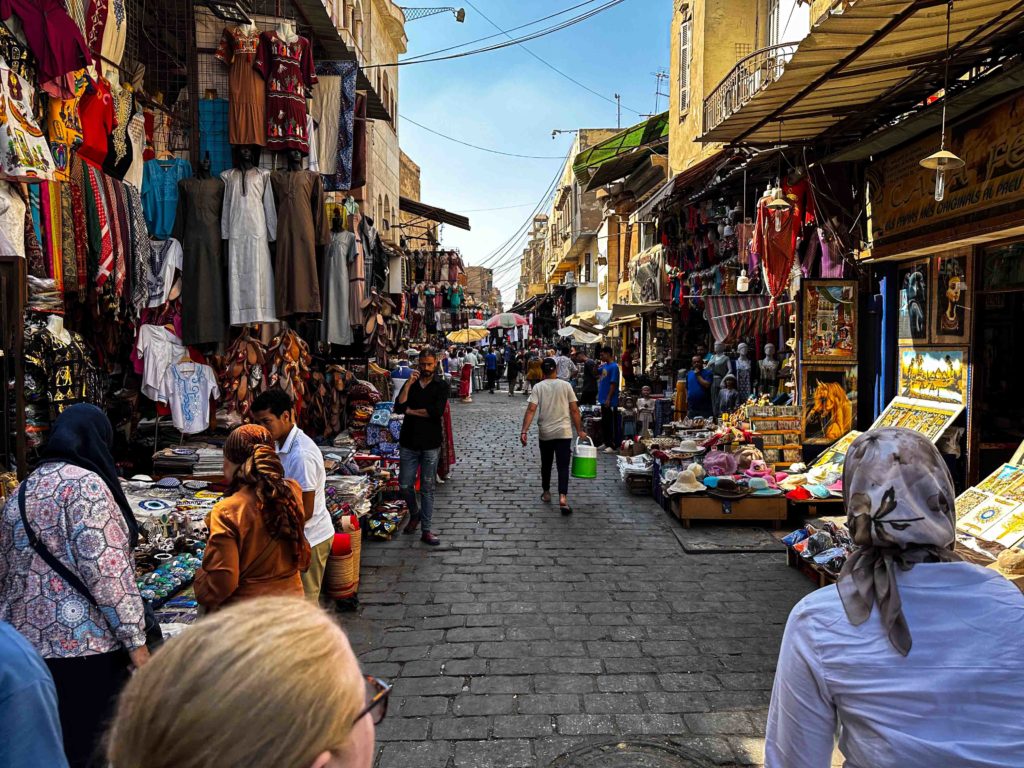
[529, 634]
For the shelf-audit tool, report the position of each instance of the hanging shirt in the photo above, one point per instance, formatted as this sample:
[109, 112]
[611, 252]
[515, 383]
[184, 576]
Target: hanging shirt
[213, 134]
[160, 193]
[26, 153]
[158, 348]
[186, 389]
[164, 261]
[97, 116]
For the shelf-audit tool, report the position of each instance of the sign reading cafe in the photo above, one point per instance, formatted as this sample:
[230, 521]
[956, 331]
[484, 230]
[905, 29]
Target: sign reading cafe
[901, 191]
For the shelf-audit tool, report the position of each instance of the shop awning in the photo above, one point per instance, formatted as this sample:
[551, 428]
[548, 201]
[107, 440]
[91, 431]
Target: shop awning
[853, 61]
[417, 208]
[742, 316]
[618, 156]
[698, 173]
[632, 311]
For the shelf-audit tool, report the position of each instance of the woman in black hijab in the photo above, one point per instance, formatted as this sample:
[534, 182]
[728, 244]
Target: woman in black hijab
[67, 575]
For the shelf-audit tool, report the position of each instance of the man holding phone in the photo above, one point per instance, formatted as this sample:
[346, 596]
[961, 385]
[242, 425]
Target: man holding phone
[422, 400]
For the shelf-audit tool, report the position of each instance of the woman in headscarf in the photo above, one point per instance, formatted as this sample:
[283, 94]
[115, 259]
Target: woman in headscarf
[918, 655]
[257, 544]
[67, 575]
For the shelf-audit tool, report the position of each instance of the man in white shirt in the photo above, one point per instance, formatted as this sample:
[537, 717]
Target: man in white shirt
[304, 463]
[566, 368]
[471, 358]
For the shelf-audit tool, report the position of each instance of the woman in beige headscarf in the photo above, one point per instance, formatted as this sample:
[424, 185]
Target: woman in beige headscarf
[916, 654]
[270, 682]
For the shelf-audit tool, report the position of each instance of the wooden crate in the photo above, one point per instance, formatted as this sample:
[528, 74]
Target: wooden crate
[771, 508]
[809, 568]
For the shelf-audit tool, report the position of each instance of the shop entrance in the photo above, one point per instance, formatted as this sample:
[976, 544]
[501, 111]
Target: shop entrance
[998, 356]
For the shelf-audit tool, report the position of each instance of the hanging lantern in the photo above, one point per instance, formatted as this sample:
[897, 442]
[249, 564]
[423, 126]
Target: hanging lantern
[943, 160]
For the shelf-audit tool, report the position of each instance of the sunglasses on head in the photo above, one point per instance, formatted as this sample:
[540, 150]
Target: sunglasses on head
[377, 692]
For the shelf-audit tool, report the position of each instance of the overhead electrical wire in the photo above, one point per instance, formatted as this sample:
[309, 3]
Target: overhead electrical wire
[500, 208]
[514, 41]
[548, 64]
[482, 149]
[491, 37]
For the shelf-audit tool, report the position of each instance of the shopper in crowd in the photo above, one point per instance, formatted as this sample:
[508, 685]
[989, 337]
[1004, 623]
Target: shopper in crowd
[588, 367]
[30, 735]
[67, 575]
[469, 363]
[422, 401]
[608, 397]
[698, 388]
[553, 403]
[491, 364]
[257, 545]
[268, 683]
[916, 653]
[628, 371]
[303, 462]
[566, 367]
[512, 370]
[534, 373]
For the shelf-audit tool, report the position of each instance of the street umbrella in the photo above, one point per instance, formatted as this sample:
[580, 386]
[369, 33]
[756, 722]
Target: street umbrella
[506, 320]
[475, 322]
[468, 335]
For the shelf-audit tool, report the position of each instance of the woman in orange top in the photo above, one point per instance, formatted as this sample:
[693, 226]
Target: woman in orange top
[257, 545]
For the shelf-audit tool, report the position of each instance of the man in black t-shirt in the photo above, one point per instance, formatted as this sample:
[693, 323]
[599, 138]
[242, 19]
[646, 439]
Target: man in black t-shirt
[588, 389]
[422, 400]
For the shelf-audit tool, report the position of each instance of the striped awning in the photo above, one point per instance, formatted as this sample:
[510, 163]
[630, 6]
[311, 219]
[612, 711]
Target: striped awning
[858, 57]
[742, 316]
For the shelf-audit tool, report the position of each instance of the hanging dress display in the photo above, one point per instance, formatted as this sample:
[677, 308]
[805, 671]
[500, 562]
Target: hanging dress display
[54, 39]
[246, 90]
[65, 128]
[249, 223]
[26, 153]
[301, 227]
[197, 226]
[341, 254]
[119, 146]
[287, 69]
[336, 158]
[96, 112]
[160, 193]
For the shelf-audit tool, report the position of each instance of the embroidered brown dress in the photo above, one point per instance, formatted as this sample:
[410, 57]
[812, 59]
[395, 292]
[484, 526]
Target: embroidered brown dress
[246, 90]
[301, 227]
[287, 68]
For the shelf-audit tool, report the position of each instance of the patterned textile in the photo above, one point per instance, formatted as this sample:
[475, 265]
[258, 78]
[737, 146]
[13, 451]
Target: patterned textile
[69, 264]
[287, 68]
[80, 232]
[341, 179]
[77, 519]
[103, 245]
[213, 134]
[140, 250]
[740, 316]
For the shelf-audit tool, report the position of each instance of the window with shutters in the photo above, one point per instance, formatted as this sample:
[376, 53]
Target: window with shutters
[774, 22]
[685, 55]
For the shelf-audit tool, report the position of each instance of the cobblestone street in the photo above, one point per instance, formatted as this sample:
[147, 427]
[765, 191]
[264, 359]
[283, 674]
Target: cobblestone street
[527, 635]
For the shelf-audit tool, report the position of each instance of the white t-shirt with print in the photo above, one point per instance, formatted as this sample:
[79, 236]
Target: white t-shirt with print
[186, 390]
[158, 348]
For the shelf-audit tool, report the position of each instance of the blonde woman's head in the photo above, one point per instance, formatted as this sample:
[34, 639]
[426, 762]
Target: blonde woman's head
[268, 682]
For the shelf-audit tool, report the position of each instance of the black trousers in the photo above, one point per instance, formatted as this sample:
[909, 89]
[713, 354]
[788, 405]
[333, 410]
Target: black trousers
[609, 426]
[492, 379]
[87, 689]
[559, 450]
[588, 397]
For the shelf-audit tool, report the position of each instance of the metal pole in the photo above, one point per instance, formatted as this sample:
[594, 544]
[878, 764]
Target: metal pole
[618, 111]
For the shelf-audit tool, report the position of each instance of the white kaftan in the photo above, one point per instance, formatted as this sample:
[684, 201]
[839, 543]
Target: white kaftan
[249, 223]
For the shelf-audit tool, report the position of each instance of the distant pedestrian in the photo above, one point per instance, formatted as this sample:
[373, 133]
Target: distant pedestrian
[566, 367]
[491, 365]
[588, 390]
[534, 372]
[553, 402]
[608, 397]
[466, 381]
[422, 401]
[512, 372]
[628, 371]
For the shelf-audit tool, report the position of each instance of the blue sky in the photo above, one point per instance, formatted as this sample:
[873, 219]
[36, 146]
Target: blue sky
[510, 101]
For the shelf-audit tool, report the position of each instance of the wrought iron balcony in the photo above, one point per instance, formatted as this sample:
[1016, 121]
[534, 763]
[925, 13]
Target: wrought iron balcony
[751, 74]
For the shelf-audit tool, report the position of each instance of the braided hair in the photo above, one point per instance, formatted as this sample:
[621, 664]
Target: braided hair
[252, 448]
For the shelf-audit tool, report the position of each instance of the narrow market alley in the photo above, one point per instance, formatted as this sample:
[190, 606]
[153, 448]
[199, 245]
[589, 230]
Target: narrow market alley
[527, 635]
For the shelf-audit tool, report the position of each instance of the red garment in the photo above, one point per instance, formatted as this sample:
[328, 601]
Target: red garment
[96, 112]
[288, 71]
[800, 195]
[776, 247]
[106, 248]
[149, 153]
[96, 23]
[80, 232]
[465, 381]
[54, 39]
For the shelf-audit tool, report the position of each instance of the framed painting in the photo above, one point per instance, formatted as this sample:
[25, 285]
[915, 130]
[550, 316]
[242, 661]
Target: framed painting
[830, 321]
[829, 395]
[929, 417]
[933, 373]
[1006, 481]
[913, 286]
[951, 297]
[967, 501]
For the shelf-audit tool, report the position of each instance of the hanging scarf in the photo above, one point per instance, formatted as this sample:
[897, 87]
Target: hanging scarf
[900, 508]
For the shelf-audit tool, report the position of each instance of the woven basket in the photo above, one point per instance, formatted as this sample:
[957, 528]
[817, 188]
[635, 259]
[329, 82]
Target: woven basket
[342, 577]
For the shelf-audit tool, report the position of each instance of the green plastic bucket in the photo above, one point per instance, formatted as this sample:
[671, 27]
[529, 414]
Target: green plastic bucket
[584, 460]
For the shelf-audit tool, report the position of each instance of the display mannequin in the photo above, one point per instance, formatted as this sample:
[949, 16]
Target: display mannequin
[249, 224]
[197, 226]
[55, 325]
[302, 226]
[746, 373]
[286, 30]
[336, 327]
[769, 369]
[721, 365]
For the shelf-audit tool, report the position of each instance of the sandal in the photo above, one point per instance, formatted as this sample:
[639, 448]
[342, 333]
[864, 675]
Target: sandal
[565, 509]
[546, 497]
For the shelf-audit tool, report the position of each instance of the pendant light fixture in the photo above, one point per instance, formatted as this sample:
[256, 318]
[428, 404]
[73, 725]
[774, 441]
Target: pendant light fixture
[943, 160]
[779, 202]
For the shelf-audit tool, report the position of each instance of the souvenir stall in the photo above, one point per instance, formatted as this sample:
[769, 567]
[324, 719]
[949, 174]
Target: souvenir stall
[434, 289]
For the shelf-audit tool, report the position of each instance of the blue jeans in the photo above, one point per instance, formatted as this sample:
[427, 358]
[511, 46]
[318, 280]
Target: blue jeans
[426, 463]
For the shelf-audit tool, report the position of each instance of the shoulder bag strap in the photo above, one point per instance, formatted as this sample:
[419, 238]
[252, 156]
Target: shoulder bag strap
[48, 557]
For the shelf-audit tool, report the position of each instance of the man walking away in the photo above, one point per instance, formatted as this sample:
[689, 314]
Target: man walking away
[588, 392]
[304, 463]
[566, 367]
[491, 364]
[553, 401]
[512, 371]
[422, 400]
[608, 397]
